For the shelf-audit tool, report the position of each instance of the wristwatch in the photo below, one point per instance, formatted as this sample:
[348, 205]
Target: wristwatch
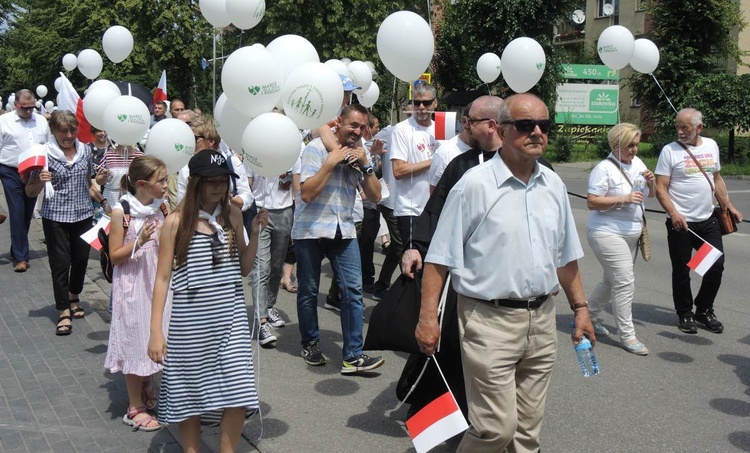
[368, 170]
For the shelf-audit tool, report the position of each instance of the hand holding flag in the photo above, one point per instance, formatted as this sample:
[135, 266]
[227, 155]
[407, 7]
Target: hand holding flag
[704, 258]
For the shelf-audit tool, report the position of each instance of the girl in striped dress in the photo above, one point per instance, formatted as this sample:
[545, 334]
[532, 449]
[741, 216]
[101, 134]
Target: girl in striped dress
[208, 363]
[134, 252]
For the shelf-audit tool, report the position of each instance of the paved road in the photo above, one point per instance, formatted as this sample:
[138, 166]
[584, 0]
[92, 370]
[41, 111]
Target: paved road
[692, 393]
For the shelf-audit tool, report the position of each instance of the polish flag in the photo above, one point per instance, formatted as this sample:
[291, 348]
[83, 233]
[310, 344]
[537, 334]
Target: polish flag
[445, 125]
[435, 423]
[704, 258]
[160, 94]
[92, 237]
[34, 158]
[68, 99]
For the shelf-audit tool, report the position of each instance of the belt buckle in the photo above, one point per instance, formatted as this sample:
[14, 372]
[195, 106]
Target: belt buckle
[529, 302]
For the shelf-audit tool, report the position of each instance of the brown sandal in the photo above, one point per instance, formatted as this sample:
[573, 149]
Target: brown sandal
[77, 312]
[63, 329]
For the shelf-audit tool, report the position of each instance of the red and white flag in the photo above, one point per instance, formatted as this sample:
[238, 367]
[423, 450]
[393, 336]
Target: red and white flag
[445, 125]
[704, 258]
[34, 158]
[69, 99]
[435, 423]
[92, 235]
[160, 94]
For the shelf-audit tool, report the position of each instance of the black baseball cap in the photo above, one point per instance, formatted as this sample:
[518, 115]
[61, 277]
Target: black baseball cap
[209, 163]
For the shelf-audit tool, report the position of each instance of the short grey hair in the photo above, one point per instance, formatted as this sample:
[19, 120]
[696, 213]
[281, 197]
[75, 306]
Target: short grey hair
[696, 117]
[423, 88]
[503, 113]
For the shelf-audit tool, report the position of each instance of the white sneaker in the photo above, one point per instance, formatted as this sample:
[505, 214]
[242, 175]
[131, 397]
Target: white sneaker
[600, 329]
[265, 334]
[274, 318]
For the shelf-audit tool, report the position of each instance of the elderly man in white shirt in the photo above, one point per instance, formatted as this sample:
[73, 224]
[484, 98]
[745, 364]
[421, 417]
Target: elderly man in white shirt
[19, 130]
[505, 269]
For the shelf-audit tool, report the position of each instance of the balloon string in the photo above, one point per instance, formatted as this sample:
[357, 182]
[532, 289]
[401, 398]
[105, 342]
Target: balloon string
[488, 88]
[662, 92]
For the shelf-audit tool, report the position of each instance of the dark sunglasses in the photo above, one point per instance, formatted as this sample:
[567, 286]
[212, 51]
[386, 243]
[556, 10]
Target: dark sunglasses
[478, 120]
[216, 248]
[198, 137]
[426, 102]
[528, 126]
[28, 109]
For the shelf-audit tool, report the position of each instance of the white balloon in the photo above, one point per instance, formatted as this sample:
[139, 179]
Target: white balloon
[8, 107]
[215, 12]
[106, 84]
[361, 75]
[346, 61]
[312, 95]
[95, 103]
[90, 63]
[69, 61]
[117, 43]
[615, 46]
[172, 141]
[405, 45]
[246, 14]
[292, 51]
[230, 122]
[370, 97]
[126, 120]
[488, 67]
[58, 84]
[41, 91]
[645, 56]
[49, 105]
[252, 80]
[271, 144]
[38, 105]
[339, 67]
[523, 64]
[370, 65]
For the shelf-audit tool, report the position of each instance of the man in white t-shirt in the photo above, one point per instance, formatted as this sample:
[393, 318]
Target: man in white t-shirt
[412, 146]
[450, 149]
[688, 197]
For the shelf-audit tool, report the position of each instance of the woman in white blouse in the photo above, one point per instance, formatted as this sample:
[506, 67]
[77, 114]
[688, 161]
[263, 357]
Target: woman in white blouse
[614, 227]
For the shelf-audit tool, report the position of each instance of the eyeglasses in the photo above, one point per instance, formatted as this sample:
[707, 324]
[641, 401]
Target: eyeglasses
[27, 109]
[425, 103]
[216, 249]
[528, 126]
[478, 120]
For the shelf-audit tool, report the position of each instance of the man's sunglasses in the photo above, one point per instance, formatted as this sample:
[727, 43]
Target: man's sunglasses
[528, 126]
[426, 102]
[27, 109]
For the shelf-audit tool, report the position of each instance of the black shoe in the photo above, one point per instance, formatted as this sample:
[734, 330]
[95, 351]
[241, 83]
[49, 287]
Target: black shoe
[368, 288]
[687, 324]
[709, 321]
[312, 355]
[361, 363]
[378, 291]
[332, 304]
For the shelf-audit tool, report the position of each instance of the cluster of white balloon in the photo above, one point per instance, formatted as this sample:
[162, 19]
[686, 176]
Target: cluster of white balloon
[617, 48]
[522, 65]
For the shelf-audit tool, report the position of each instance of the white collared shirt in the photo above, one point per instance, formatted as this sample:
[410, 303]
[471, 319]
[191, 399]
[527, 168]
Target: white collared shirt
[502, 238]
[18, 135]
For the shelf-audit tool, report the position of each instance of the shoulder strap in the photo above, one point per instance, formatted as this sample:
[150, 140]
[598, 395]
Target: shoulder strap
[621, 171]
[125, 214]
[231, 168]
[700, 167]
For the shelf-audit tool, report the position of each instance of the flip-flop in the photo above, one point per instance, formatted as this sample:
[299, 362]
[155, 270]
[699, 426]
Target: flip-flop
[290, 287]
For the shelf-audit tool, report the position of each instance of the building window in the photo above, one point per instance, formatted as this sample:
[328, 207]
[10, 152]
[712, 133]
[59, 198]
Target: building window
[605, 6]
[640, 5]
[635, 102]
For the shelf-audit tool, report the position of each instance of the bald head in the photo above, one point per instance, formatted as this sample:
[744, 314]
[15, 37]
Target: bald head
[482, 124]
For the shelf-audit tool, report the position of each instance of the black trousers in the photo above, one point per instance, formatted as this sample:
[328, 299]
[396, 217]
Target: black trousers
[366, 238]
[681, 245]
[68, 256]
[395, 250]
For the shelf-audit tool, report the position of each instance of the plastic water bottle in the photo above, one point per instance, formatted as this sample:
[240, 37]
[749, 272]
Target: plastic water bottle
[586, 357]
[639, 184]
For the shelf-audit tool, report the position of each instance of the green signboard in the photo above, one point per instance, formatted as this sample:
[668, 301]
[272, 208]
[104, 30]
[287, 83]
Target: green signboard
[589, 72]
[580, 103]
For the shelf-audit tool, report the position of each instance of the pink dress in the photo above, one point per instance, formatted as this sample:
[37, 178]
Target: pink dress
[132, 291]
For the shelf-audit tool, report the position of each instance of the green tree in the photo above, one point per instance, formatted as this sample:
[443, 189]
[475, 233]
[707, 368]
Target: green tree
[471, 28]
[695, 40]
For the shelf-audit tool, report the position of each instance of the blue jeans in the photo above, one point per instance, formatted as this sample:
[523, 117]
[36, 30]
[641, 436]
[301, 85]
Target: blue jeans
[20, 210]
[344, 257]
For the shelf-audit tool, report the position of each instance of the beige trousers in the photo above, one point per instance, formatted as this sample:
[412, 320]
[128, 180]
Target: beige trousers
[508, 355]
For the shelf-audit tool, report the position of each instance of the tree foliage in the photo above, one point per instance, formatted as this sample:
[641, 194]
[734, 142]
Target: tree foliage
[471, 28]
[695, 40]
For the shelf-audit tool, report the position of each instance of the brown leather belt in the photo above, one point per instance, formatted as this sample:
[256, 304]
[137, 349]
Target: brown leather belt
[529, 304]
